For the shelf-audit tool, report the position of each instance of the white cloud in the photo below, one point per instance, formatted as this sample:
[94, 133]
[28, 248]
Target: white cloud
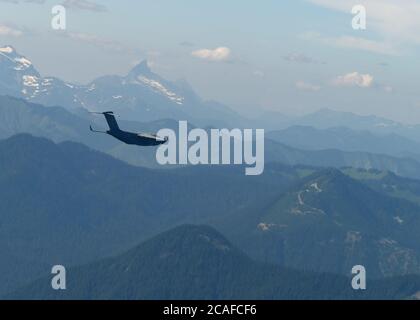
[84, 5]
[299, 58]
[6, 30]
[106, 44]
[218, 54]
[186, 44]
[364, 44]
[354, 79]
[29, 1]
[396, 20]
[388, 89]
[301, 85]
[259, 73]
[354, 43]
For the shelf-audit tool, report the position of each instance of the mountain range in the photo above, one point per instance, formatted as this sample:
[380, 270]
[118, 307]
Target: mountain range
[58, 124]
[278, 152]
[345, 139]
[67, 204]
[197, 262]
[338, 189]
[140, 95]
[328, 221]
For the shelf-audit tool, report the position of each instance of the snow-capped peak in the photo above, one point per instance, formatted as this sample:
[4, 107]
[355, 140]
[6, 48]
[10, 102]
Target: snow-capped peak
[18, 62]
[160, 88]
[22, 63]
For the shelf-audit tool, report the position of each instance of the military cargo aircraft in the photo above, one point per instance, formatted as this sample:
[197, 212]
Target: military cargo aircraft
[140, 139]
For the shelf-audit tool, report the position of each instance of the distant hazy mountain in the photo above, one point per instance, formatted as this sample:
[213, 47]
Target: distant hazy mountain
[342, 138]
[327, 118]
[54, 123]
[277, 152]
[196, 262]
[57, 124]
[20, 78]
[143, 95]
[16, 73]
[269, 120]
[330, 222]
[140, 95]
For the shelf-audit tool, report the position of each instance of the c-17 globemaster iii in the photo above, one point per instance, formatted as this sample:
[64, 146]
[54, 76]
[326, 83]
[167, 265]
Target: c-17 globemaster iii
[140, 139]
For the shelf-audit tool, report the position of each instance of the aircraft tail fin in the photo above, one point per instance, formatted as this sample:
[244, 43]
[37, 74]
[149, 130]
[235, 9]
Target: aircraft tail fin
[112, 122]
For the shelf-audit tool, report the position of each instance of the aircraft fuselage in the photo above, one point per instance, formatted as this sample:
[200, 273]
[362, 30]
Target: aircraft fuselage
[136, 139]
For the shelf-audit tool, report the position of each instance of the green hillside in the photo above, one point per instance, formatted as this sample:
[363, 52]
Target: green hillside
[330, 222]
[196, 262]
[67, 203]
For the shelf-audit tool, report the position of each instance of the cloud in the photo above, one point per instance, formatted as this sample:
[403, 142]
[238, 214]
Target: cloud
[354, 79]
[388, 89]
[186, 44]
[301, 85]
[259, 73]
[95, 40]
[396, 20]
[354, 43]
[364, 44]
[218, 54]
[84, 5]
[6, 30]
[24, 1]
[299, 58]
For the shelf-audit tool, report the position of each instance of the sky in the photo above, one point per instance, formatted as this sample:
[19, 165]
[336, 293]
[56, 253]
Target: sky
[290, 56]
